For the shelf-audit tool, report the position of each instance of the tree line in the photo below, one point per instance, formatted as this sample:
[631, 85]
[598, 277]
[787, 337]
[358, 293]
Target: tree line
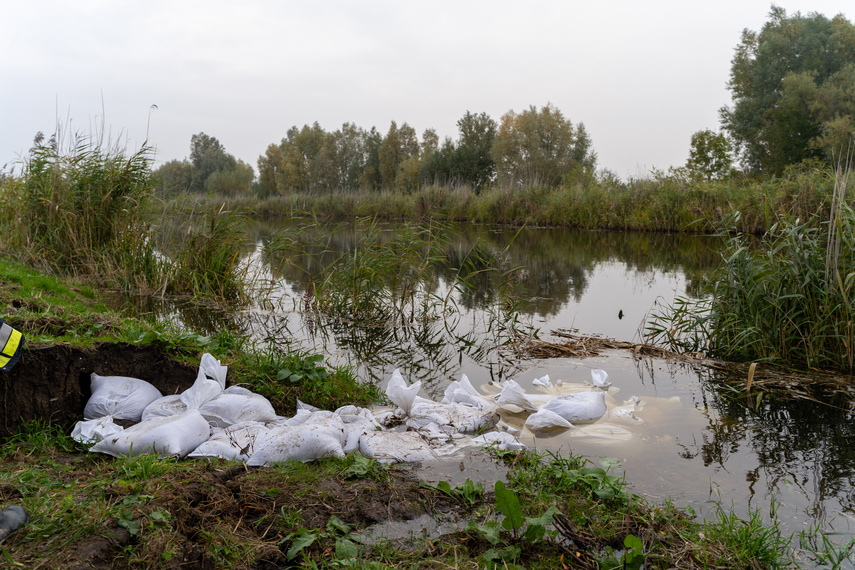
[535, 146]
[793, 95]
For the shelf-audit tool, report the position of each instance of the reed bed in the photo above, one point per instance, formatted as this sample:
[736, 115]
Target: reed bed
[788, 299]
[84, 208]
[671, 202]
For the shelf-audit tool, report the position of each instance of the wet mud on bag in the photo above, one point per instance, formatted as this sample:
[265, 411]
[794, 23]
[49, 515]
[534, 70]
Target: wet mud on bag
[11, 344]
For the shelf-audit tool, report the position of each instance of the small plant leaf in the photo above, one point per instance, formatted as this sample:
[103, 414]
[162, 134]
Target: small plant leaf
[509, 505]
[302, 540]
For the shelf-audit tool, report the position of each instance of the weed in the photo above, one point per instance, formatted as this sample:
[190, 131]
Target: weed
[468, 494]
[358, 466]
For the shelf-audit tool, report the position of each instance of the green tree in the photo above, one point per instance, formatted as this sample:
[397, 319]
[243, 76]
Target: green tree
[299, 169]
[174, 177]
[398, 146]
[474, 164]
[233, 182]
[207, 156]
[709, 155]
[370, 178]
[269, 167]
[430, 142]
[792, 90]
[540, 147]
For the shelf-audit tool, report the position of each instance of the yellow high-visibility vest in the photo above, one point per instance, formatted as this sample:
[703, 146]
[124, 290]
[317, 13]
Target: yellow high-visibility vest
[11, 343]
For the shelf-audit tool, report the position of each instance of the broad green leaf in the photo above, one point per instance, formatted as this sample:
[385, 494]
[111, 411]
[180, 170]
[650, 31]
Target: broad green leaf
[346, 549]
[490, 531]
[303, 540]
[509, 505]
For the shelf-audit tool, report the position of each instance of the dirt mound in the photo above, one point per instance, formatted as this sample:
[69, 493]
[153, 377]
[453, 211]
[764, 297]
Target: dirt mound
[53, 382]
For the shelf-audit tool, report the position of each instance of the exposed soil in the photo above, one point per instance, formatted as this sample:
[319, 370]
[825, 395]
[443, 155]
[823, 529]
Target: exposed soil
[53, 382]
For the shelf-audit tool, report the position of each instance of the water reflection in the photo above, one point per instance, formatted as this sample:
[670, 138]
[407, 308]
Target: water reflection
[698, 442]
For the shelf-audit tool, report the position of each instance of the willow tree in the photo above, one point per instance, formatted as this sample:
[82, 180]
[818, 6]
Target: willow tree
[793, 89]
[540, 147]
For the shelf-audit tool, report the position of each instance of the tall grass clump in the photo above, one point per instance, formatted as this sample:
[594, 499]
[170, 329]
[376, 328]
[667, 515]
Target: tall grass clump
[78, 207]
[209, 258]
[788, 299]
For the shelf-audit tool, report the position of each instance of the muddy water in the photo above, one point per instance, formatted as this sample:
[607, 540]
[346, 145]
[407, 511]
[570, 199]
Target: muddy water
[697, 444]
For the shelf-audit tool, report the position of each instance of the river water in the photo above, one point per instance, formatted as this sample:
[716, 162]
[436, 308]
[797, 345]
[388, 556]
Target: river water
[697, 444]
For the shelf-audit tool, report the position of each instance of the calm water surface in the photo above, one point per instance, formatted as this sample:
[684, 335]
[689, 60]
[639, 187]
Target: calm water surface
[697, 444]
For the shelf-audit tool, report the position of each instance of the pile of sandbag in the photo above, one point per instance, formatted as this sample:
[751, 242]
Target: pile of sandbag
[210, 420]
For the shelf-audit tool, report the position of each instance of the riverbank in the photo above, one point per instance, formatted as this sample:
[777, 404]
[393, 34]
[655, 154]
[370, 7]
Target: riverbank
[88, 509]
[663, 202]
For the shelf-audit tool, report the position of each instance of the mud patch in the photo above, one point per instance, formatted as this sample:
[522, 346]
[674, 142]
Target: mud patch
[217, 514]
[52, 383]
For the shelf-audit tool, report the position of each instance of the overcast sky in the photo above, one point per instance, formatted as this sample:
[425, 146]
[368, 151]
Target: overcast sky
[641, 76]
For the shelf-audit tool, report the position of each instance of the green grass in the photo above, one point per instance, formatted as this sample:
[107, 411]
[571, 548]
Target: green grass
[283, 377]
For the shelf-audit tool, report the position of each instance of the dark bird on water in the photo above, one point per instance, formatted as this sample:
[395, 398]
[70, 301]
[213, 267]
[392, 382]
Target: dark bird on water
[620, 314]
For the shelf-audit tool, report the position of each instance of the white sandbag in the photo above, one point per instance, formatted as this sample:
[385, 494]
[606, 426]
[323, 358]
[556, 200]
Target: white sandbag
[600, 378]
[211, 368]
[202, 391]
[628, 410]
[578, 407]
[355, 414]
[463, 392]
[122, 397]
[543, 382]
[513, 398]
[400, 394]
[165, 407]
[95, 430]
[544, 419]
[301, 417]
[499, 440]
[173, 436]
[231, 408]
[305, 406]
[451, 418]
[307, 442]
[238, 390]
[235, 443]
[356, 422]
[395, 447]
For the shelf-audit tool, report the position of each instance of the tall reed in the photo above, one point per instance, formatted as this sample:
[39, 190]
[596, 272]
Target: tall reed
[662, 201]
[209, 257]
[77, 206]
[789, 299]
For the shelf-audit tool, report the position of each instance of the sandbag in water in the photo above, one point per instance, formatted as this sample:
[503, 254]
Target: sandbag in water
[464, 393]
[400, 394]
[499, 440]
[395, 447]
[544, 420]
[600, 378]
[578, 407]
